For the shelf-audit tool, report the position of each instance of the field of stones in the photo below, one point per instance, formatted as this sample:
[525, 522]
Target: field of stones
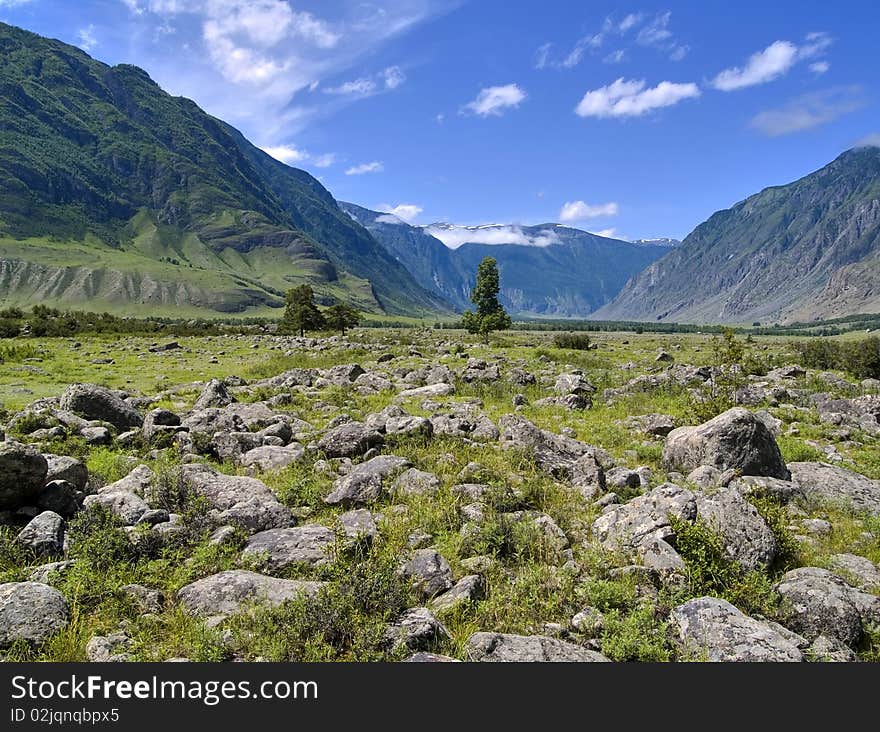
[417, 495]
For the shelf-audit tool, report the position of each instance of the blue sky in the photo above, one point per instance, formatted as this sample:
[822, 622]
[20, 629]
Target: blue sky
[638, 119]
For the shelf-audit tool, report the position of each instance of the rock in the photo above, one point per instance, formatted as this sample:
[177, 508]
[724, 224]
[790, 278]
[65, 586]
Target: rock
[245, 502]
[108, 648]
[855, 570]
[830, 650]
[573, 384]
[270, 457]
[415, 482]
[588, 621]
[146, 600]
[229, 592]
[428, 392]
[365, 482]
[160, 422]
[645, 517]
[59, 496]
[817, 602]
[747, 538]
[349, 440]
[735, 439]
[358, 524]
[46, 574]
[429, 573]
[712, 629]
[588, 476]
[170, 346]
[415, 630]
[821, 482]
[96, 436]
[215, 394]
[781, 491]
[705, 477]
[659, 556]
[93, 402]
[816, 527]
[44, 534]
[422, 657]
[654, 425]
[505, 647]
[277, 549]
[61, 467]
[770, 422]
[467, 590]
[619, 479]
[126, 506]
[22, 474]
[664, 357]
[409, 426]
[30, 612]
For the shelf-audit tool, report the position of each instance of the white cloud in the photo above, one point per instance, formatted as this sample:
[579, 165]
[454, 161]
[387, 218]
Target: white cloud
[286, 153]
[495, 100]
[361, 87]
[495, 235]
[13, 3]
[440, 118]
[615, 57]
[86, 38]
[405, 211]
[578, 211]
[324, 161]
[869, 141]
[629, 22]
[631, 98]
[542, 55]
[607, 233]
[809, 111]
[394, 77]
[656, 33]
[374, 167]
[773, 62]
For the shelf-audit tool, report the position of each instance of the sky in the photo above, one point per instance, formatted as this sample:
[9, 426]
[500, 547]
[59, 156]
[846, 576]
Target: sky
[635, 120]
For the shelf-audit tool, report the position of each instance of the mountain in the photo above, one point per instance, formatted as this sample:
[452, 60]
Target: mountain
[803, 251]
[112, 190]
[668, 243]
[546, 271]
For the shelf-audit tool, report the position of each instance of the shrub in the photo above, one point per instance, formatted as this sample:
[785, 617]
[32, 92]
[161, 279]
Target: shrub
[572, 341]
[861, 358]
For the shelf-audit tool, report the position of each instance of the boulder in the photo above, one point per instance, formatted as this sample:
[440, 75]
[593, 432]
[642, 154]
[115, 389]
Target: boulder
[747, 538]
[857, 571]
[349, 440]
[214, 394]
[645, 517]
[735, 439]
[22, 474]
[821, 482]
[277, 549]
[415, 630]
[429, 573]
[358, 524]
[365, 482]
[31, 612]
[270, 457]
[61, 467]
[43, 535]
[467, 590]
[414, 482]
[507, 648]
[93, 402]
[59, 496]
[712, 629]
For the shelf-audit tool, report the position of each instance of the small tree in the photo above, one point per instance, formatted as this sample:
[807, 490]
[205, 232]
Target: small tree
[341, 316]
[489, 314]
[301, 313]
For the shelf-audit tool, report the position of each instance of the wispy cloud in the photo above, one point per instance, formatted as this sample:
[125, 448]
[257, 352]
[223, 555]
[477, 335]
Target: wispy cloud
[289, 155]
[632, 99]
[86, 38]
[579, 211]
[607, 233]
[872, 140]
[495, 100]
[385, 80]
[495, 235]
[809, 111]
[773, 62]
[820, 67]
[375, 167]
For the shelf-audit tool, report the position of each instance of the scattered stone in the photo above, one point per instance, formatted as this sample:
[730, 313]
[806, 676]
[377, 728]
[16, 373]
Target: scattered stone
[429, 573]
[505, 647]
[44, 534]
[277, 549]
[821, 482]
[22, 474]
[414, 482]
[30, 612]
[415, 630]
[349, 440]
[364, 484]
[857, 571]
[93, 402]
[270, 457]
[467, 590]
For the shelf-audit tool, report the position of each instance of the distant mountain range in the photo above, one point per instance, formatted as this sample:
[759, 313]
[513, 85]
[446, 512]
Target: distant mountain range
[803, 251]
[548, 270]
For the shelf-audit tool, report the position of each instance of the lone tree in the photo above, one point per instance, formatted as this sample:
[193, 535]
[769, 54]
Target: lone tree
[341, 316]
[489, 315]
[301, 313]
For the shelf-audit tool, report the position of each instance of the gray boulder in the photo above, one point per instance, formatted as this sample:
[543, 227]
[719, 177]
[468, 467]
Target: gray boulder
[467, 590]
[365, 482]
[414, 482]
[712, 629]
[43, 535]
[98, 403]
[230, 592]
[59, 496]
[507, 648]
[747, 538]
[821, 482]
[270, 457]
[281, 548]
[857, 571]
[22, 474]
[349, 440]
[358, 524]
[429, 573]
[735, 439]
[415, 630]
[61, 467]
[215, 394]
[30, 612]
[645, 517]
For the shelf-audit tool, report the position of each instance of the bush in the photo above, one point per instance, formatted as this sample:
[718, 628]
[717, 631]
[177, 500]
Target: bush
[572, 341]
[861, 358]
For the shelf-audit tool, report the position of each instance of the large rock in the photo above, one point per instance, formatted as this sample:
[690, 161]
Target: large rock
[128, 507]
[429, 573]
[281, 548]
[365, 482]
[858, 571]
[747, 538]
[22, 474]
[817, 602]
[645, 517]
[736, 439]
[414, 482]
[821, 482]
[215, 394]
[44, 534]
[712, 629]
[349, 440]
[271, 457]
[30, 612]
[99, 403]
[61, 467]
[415, 630]
[503, 647]
[246, 502]
[230, 592]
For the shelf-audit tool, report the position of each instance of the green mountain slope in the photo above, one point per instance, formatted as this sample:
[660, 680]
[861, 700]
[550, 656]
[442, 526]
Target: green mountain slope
[571, 277]
[807, 250]
[113, 190]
